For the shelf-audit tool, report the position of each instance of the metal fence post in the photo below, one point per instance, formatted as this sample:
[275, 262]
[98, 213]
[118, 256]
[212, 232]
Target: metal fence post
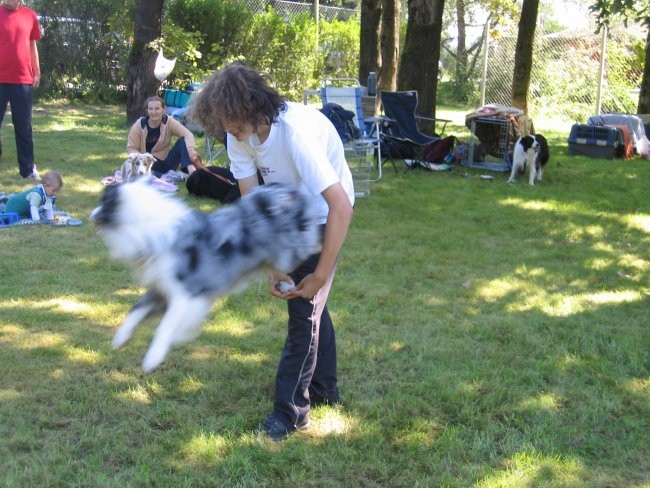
[316, 14]
[486, 47]
[601, 70]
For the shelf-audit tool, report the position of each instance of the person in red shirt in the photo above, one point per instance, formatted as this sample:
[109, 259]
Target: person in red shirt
[20, 72]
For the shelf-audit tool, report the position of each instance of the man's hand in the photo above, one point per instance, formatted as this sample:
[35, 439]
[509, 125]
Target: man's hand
[308, 287]
[274, 279]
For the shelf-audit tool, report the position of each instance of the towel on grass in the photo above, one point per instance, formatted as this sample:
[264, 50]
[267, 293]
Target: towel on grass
[166, 183]
[61, 219]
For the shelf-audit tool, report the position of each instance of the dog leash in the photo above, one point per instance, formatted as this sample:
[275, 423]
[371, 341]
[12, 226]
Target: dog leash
[202, 166]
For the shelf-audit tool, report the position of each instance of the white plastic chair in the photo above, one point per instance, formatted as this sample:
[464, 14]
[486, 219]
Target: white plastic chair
[348, 93]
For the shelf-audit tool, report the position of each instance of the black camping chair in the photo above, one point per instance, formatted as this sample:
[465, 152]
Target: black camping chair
[401, 138]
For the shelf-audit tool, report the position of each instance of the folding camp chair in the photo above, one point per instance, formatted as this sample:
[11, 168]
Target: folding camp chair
[349, 94]
[399, 132]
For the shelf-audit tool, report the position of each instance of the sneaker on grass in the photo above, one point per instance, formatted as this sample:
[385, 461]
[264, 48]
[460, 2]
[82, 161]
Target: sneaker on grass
[277, 430]
[33, 175]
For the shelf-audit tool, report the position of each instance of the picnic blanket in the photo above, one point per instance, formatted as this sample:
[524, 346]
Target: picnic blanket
[9, 219]
[166, 183]
[61, 219]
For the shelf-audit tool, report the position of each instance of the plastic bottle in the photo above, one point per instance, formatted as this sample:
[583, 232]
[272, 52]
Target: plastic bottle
[372, 84]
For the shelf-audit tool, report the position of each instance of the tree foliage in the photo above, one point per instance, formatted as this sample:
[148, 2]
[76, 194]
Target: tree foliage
[84, 47]
[283, 48]
[213, 28]
[461, 60]
[635, 10]
[607, 10]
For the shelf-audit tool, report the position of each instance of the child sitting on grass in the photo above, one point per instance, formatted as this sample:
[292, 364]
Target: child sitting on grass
[28, 203]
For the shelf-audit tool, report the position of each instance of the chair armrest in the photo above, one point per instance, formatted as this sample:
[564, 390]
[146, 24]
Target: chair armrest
[383, 124]
[434, 120]
[375, 123]
[427, 117]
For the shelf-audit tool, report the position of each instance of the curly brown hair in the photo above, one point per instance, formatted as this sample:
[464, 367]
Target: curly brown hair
[236, 93]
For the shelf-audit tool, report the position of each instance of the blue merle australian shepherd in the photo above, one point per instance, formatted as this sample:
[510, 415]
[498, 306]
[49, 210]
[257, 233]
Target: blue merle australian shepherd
[186, 258]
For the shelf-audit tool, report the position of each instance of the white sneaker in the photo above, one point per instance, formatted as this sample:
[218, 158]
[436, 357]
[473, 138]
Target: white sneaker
[34, 175]
[174, 176]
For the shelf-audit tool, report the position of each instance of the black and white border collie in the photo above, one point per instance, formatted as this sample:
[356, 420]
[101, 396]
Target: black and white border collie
[186, 258]
[530, 152]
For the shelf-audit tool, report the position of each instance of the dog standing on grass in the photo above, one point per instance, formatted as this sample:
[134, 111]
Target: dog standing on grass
[187, 258]
[530, 152]
[137, 164]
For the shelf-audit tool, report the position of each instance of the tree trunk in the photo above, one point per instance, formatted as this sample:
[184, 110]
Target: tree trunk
[644, 94]
[461, 75]
[419, 63]
[524, 54]
[369, 57]
[141, 83]
[389, 45]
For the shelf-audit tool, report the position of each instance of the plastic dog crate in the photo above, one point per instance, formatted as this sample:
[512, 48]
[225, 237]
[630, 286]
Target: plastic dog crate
[8, 218]
[595, 141]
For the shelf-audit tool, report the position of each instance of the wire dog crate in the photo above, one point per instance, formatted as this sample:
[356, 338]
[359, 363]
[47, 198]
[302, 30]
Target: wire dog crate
[489, 145]
[360, 156]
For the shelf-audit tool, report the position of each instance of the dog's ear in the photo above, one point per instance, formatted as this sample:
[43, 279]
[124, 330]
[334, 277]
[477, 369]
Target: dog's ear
[149, 158]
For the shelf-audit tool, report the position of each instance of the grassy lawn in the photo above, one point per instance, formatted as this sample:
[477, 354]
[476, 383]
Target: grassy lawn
[489, 335]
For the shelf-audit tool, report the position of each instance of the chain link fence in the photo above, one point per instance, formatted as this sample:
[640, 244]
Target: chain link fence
[575, 72]
[291, 8]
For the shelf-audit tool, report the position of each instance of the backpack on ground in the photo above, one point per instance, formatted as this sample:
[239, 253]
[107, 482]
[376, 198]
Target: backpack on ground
[440, 151]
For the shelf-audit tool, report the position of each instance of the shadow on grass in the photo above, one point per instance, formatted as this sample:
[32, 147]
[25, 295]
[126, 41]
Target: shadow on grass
[489, 335]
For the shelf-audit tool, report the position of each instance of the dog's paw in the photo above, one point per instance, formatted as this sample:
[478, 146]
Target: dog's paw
[121, 337]
[154, 358]
[185, 335]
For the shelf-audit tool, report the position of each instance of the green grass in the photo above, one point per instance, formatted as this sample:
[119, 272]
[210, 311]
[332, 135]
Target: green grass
[489, 335]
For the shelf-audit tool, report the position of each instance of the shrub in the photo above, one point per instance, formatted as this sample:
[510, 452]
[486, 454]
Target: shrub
[84, 48]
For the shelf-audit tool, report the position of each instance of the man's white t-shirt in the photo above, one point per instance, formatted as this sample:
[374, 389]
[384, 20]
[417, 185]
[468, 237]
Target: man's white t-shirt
[303, 148]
